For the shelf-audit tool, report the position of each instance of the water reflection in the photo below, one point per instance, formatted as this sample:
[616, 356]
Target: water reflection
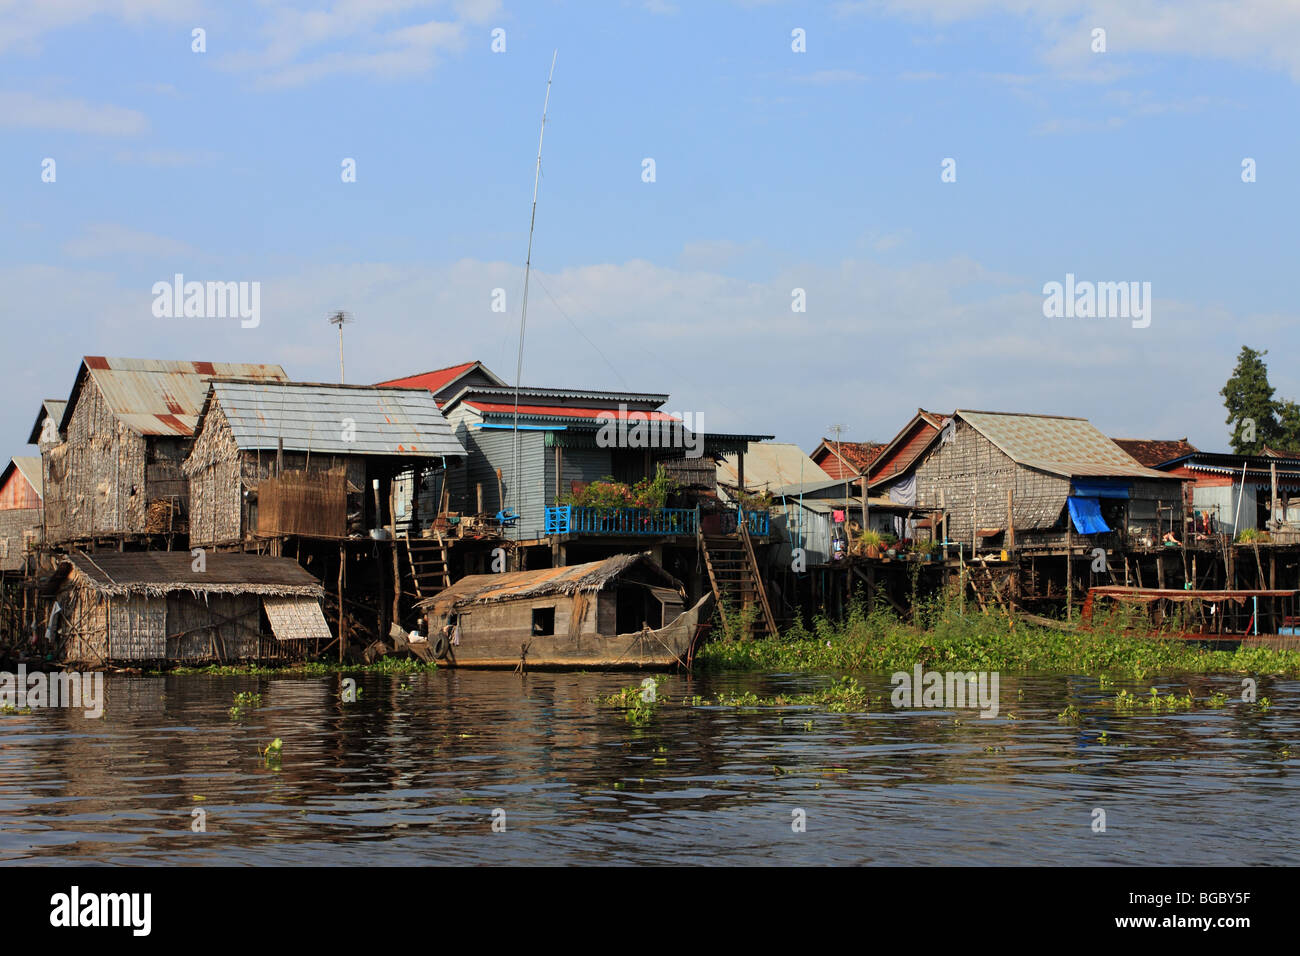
[412, 771]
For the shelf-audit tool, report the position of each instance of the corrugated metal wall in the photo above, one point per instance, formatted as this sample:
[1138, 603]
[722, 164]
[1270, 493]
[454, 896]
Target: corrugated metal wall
[490, 449]
[576, 464]
[1225, 497]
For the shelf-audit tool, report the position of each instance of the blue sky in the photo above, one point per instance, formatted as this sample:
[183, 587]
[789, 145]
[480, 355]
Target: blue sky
[775, 170]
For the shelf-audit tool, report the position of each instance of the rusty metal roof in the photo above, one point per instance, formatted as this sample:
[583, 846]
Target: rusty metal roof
[335, 419]
[159, 396]
[1069, 447]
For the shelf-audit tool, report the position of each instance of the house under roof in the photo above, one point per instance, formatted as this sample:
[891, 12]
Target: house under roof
[1153, 452]
[1068, 447]
[157, 396]
[333, 419]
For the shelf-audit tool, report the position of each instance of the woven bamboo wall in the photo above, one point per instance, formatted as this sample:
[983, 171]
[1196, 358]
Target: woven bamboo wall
[95, 481]
[975, 475]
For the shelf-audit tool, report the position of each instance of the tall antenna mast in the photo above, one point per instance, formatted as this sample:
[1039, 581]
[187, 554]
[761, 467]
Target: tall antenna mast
[340, 318]
[523, 317]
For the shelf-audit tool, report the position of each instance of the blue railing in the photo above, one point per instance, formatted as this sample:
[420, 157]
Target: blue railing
[759, 522]
[574, 519]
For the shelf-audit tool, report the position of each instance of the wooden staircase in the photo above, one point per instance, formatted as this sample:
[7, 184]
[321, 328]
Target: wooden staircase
[428, 560]
[737, 584]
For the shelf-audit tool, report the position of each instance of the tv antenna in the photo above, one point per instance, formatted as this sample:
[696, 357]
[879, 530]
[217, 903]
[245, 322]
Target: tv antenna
[340, 318]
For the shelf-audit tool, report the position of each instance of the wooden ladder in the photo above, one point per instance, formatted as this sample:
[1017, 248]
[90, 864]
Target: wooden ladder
[428, 560]
[734, 577]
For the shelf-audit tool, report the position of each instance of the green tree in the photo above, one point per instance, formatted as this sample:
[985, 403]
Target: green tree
[1252, 410]
[1289, 413]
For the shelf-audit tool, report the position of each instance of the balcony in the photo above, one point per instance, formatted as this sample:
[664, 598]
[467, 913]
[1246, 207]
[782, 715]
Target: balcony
[646, 522]
[642, 522]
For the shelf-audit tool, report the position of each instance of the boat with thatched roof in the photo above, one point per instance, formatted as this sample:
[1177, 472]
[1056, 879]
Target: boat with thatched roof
[622, 612]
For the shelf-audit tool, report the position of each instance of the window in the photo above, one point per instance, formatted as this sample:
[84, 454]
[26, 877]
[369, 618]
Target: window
[543, 621]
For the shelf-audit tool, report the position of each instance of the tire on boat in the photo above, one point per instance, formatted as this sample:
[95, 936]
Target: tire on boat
[438, 645]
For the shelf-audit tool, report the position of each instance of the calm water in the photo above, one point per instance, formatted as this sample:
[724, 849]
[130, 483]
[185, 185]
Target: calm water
[412, 776]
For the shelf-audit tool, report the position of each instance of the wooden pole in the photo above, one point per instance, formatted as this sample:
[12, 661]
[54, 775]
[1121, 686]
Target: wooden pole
[1011, 527]
[392, 533]
[342, 614]
[1272, 504]
[1069, 571]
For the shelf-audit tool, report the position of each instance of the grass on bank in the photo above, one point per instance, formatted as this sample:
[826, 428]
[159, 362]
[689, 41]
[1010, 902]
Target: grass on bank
[945, 638]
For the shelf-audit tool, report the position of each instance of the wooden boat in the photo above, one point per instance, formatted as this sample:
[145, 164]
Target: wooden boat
[625, 612]
[1253, 618]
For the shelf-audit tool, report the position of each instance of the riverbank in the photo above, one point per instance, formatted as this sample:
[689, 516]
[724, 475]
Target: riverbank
[881, 643]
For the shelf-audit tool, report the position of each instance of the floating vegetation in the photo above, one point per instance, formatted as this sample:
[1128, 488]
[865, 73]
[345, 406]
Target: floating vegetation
[270, 754]
[638, 702]
[245, 701]
[385, 665]
[946, 639]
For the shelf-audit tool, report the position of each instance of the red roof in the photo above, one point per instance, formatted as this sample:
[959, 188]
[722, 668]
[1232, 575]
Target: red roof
[434, 380]
[1155, 452]
[569, 411]
[857, 454]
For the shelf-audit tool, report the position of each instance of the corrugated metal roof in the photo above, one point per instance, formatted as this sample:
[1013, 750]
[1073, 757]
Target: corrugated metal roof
[309, 417]
[52, 408]
[769, 465]
[1070, 447]
[162, 397]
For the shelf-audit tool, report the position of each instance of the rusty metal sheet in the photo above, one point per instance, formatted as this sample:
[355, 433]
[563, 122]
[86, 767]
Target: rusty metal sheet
[164, 397]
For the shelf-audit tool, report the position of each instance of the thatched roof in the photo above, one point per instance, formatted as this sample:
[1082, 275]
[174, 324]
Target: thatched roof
[156, 573]
[531, 585]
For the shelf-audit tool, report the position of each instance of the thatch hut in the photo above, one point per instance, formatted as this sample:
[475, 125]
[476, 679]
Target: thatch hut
[622, 610]
[151, 606]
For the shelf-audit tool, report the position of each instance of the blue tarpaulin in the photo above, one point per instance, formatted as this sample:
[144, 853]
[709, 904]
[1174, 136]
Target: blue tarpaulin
[1101, 488]
[1086, 513]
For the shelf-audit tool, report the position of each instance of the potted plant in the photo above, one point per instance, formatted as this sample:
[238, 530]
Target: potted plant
[889, 542]
[870, 541]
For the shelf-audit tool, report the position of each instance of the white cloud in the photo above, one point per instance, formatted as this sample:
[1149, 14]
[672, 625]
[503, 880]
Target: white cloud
[359, 38]
[106, 239]
[24, 23]
[1254, 32]
[28, 110]
[877, 341]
